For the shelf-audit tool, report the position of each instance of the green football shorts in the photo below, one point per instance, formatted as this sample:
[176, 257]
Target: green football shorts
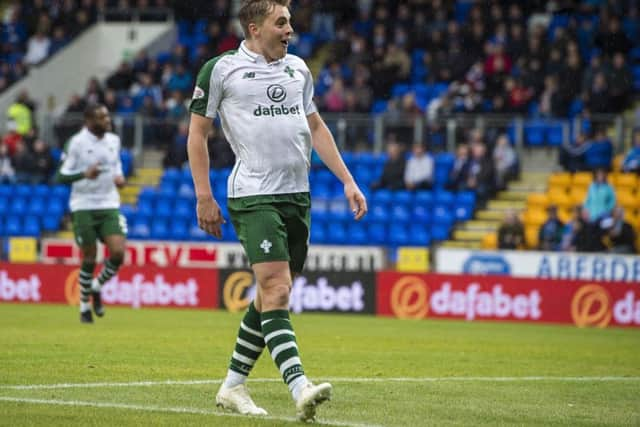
[90, 225]
[273, 227]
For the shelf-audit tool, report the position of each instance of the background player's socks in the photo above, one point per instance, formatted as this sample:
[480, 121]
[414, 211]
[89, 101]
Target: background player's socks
[84, 279]
[281, 340]
[249, 346]
[108, 271]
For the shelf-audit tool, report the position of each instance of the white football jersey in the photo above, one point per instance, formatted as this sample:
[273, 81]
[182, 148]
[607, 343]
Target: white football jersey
[263, 109]
[83, 150]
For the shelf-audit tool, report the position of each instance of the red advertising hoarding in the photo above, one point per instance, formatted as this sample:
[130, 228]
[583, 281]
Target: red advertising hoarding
[132, 286]
[581, 303]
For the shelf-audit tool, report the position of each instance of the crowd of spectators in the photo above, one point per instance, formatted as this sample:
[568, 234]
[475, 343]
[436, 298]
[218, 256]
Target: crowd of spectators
[597, 225]
[24, 157]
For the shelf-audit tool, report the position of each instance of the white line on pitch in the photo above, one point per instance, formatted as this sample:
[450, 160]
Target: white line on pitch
[332, 379]
[154, 408]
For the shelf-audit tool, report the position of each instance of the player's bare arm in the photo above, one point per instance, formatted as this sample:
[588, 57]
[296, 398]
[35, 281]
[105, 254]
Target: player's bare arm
[207, 209]
[325, 146]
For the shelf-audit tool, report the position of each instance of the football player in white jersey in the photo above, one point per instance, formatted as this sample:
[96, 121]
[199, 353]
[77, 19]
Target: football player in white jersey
[91, 164]
[264, 98]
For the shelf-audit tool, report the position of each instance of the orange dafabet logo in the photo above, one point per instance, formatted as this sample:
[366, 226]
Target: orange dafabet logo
[591, 306]
[234, 291]
[410, 298]
[72, 288]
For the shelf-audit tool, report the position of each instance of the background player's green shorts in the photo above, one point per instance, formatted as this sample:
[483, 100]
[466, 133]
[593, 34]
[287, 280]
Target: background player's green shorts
[273, 227]
[97, 224]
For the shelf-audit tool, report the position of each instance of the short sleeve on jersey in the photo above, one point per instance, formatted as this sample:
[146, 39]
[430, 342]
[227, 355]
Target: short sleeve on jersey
[208, 91]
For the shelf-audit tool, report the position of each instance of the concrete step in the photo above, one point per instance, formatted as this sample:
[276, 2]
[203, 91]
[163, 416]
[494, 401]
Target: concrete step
[490, 215]
[461, 244]
[505, 205]
[466, 235]
[481, 225]
[513, 195]
[522, 186]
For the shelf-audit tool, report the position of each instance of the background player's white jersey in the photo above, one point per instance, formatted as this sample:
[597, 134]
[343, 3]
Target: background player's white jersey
[83, 150]
[263, 109]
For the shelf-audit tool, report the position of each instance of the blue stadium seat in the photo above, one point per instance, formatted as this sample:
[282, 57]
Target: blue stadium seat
[378, 212]
[13, 225]
[403, 197]
[445, 198]
[320, 190]
[318, 233]
[423, 198]
[31, 226]
[554, 133]
[4, 206]
[36, 206]
[23, 190]
[56, 205]
[534, 133]
[339, 210]
[400, 214]
[164, 207]
[179, 229]
[337, 234]
[398, 235]
[147, 194]
[419, 235]
[319, 210]
[41, 190]
[140, 228]
[145, 208]
[382, 196]
[61, 191]
[357, 234]
[439, 232]
[442, 214]
[6, 190]
[377, 233]
[421, 214]
[159, 229]
[184, 208]
[51, 223]
[19, 205]
[186, 190]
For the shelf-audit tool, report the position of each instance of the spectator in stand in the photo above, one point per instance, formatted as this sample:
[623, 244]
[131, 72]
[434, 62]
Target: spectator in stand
[11, 138]
[59, 40]
[23, 163]
[511, 232]
[335, 99]
[176, 154]
[481, 176]
[393, 171]
[505, 160]
[601, 198]
[38, 48]
[598, 99]
[613, 39]
[581, 235]
[418, 173]
[552, 104]
[619, 236]
[21, 113]
[550, 234]
[43, 165]
[572, 156]
[94, 93]
[631, 163]
[7, 172]
[460, 169]
[621, 83]
[122, 79]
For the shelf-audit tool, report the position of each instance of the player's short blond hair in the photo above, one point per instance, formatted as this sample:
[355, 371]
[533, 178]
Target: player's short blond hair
[255, 11]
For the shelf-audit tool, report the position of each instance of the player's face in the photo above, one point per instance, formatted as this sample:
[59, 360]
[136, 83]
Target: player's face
[101, 122]
[275, 32]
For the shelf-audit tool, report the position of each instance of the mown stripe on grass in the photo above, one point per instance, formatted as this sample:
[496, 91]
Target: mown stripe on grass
[177, 410]
[330, 379]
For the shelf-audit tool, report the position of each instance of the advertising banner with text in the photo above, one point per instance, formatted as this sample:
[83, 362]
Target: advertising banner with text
[543, 265]
[311, 292]
[135, 287]
[465, 297]
[216, 255]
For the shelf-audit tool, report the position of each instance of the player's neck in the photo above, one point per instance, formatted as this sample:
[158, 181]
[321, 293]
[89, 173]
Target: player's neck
[255, 47]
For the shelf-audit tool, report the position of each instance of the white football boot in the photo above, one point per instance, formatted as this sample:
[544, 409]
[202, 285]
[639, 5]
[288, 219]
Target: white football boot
[310, 397]
[237, 399]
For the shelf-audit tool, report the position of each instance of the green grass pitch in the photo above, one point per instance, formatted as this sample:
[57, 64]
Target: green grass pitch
[162, 367]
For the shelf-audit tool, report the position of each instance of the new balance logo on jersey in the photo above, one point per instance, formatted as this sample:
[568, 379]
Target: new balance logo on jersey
[276, 110]
[249, 75]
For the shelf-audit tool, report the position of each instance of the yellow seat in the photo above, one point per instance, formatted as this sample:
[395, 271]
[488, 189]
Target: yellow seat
[617, 162]
[626, 181]
[534, 217]
[582, 179]
[627, 199]
[537, 200]
[565, 214]
[490, 241]
[559, 198]
[578, 195]
[531, 236]
[559, 179]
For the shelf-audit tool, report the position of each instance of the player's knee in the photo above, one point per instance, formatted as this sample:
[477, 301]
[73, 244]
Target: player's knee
[277, 296]
[117, 258]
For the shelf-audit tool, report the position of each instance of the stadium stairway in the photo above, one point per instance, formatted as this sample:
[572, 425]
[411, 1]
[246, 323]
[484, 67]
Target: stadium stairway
[480, 232]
